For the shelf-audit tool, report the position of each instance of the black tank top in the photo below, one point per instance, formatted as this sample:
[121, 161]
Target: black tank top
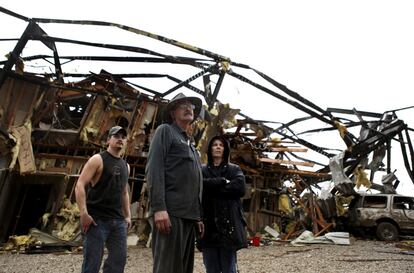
[104, 199]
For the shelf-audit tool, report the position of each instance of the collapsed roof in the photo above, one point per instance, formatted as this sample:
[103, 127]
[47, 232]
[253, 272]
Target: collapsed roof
[70, 104]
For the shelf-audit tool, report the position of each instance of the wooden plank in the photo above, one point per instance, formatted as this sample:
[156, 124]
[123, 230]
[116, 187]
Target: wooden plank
[303, 173]
[287, 149]
[324, 229]
[281, 161]
[273, 213]
[281, 169]
[57, 170]
[25, 156]
[58, 156]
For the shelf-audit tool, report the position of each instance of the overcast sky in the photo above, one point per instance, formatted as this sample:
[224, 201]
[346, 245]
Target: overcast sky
[336, 53]
[341, 54]
[353, 53]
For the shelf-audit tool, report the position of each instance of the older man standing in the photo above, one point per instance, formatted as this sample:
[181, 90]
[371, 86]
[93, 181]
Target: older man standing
[174, 180]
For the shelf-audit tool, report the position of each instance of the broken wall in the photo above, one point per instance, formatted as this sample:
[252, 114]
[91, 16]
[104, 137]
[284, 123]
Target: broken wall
[47, 135]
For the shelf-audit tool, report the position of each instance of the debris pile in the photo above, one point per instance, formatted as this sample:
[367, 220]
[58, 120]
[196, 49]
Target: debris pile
[52, 121]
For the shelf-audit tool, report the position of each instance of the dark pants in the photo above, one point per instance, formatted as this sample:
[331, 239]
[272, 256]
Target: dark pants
[174, 252]
[220, 260]
[113, 235]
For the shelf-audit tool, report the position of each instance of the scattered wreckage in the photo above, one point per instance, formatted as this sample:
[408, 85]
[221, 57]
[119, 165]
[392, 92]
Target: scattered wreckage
[53, 119]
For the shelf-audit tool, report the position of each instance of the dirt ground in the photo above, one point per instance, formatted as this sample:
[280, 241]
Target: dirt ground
[360, 256]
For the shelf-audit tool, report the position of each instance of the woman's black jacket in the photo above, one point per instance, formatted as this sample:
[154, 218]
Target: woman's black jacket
[223, 217]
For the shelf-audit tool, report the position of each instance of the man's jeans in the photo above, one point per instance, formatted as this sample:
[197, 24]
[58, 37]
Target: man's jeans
[111, 233]
[220, 260]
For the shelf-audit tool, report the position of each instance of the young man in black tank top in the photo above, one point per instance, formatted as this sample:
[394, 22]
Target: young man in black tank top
[104, 207]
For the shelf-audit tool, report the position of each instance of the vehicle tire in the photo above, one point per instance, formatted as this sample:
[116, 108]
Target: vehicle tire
[387, 231]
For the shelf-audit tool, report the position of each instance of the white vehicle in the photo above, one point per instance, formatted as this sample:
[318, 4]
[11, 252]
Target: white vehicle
[389, 215]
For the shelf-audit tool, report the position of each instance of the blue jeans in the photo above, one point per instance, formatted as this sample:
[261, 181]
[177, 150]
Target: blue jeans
[111, 233]
[220, 260]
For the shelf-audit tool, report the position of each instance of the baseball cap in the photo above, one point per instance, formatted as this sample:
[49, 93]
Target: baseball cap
[115, 130]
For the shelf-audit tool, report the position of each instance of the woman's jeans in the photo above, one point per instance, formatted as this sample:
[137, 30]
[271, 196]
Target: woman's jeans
[220, 260]
[111, 233]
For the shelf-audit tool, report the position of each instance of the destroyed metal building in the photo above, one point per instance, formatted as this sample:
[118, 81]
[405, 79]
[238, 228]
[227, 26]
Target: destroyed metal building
[55, 114]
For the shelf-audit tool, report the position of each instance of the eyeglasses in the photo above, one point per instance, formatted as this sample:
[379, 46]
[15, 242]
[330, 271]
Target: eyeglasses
[184, 106]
